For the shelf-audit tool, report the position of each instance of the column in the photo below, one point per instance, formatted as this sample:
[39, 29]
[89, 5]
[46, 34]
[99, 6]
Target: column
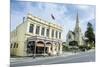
[50, 32]
[34, 55]
[44, 48]
[40, 31]
[28, 25]
[58, 34]
[61, 48]
[53, 48]
[54, 34]
[45, 31]
[34, 29]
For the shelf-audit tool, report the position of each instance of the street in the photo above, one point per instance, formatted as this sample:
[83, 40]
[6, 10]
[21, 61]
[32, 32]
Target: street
[77, 58]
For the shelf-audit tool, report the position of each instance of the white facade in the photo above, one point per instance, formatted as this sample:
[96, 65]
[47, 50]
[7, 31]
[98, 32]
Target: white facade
[34, 36]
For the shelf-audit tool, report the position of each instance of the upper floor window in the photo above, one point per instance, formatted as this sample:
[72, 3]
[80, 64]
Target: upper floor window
[31, 28]
[52, 33]
[37, 29]
[59, 35]
[47, 32]
[42, 31]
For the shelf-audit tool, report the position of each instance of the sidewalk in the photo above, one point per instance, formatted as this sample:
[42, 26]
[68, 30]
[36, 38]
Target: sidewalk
[14, 60]
[25, 59]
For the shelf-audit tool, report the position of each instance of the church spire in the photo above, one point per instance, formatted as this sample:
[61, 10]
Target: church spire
[77, 19]
[77, 22]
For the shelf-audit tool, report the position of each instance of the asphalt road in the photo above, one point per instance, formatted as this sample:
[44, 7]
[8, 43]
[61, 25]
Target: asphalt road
[82, 57]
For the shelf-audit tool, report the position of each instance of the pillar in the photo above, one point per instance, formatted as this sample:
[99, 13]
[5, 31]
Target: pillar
[34, 55]
[45, 32]
[44, 48]
[50, 31]
[34, 29]
[40, 31]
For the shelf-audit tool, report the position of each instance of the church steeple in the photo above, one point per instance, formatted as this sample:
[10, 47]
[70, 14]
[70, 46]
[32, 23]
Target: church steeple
[75, 35]
[77, 31]
[77, 19]
[77, 22]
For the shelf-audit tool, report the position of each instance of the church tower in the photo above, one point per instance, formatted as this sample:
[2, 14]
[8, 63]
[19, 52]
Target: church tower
[77, 27]
[77, 31]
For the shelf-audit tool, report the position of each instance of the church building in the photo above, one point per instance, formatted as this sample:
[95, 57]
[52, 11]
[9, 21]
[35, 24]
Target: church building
[75, 35]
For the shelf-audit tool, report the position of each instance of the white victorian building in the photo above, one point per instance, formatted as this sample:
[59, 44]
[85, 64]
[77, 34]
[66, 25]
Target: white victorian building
[36, 36]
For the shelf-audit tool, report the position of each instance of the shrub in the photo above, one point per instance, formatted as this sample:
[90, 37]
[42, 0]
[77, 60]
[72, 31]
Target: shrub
[73, 43]
[65, 48]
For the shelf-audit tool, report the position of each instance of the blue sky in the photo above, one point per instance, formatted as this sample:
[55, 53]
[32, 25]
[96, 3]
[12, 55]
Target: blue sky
[65, 14]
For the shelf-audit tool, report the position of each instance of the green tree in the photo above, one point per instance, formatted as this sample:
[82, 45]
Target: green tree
[90, 34]
[73, 43]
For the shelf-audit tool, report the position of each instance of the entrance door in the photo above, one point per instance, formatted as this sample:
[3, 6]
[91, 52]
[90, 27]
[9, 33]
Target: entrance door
[30, 47]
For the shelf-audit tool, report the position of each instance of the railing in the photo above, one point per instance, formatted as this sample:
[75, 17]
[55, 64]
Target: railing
[43, 38]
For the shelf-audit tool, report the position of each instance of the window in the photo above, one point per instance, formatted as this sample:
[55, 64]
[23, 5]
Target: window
[52, 33]
[11, 45]
[56, 34]
[59, 35]
[14, 45]
[47, 33]
[37, 29]
[42, 31]
[17, 45]
[31, 28]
